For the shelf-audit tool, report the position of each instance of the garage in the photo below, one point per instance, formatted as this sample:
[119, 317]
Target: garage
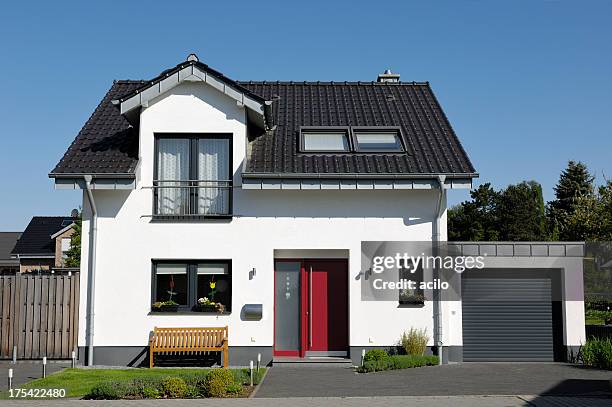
[510, 315]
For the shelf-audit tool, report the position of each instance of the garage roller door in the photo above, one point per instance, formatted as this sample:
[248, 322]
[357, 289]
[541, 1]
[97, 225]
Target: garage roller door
[507, 319]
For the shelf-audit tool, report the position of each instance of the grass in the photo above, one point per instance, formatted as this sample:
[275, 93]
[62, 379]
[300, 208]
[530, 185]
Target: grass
[78, 382]
[596, 317]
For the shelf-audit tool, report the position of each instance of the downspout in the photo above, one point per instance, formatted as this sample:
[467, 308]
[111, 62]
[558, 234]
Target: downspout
[436, 237]
[91, 280]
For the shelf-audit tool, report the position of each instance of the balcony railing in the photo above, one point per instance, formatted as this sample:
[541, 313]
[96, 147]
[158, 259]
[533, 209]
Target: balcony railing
[192, 198]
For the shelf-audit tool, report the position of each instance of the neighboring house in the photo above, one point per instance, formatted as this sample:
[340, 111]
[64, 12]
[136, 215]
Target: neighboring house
[44, 244]
[267, 190]
[8, 264]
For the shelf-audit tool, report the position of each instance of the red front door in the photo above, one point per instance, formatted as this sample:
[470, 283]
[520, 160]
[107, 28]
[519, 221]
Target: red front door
[321, 317]
[325, 299]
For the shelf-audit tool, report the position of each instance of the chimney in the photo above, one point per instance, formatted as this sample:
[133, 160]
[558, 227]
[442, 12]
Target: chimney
[388, 76]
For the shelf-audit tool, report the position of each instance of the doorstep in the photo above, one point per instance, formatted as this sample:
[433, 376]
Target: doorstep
[279, 361]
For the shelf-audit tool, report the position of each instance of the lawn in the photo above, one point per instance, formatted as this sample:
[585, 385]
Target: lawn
[78, 382]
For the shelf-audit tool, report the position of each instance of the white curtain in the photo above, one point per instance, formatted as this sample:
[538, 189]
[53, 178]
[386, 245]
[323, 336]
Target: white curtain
[173, 166]
[213, 172]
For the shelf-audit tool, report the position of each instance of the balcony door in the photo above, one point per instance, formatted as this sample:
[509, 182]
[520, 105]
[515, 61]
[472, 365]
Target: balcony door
[193, 175]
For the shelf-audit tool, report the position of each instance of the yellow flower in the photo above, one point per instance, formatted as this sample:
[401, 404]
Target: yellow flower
[212, 285]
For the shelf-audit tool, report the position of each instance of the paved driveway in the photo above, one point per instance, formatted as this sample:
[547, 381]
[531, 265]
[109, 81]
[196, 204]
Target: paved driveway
[447, 380]
[25, 371]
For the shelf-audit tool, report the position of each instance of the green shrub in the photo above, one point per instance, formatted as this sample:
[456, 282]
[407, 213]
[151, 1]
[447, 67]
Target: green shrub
[107, 391]
[174, 387]
[415, 341]
[217, 382]
[409, 361]
[234, 388]
[150, 393]
[193, 392]
[375, 355]
[597, 352]
[398, 362]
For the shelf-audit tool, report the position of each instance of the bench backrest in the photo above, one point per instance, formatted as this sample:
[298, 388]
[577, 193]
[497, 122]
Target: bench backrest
[188, 338]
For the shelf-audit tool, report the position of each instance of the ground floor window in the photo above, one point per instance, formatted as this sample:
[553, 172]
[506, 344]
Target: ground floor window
[203, 286]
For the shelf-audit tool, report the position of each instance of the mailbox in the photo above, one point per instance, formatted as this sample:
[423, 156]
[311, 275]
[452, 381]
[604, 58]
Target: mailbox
[252, 312]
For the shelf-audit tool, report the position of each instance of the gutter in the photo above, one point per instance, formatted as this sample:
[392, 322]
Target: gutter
[437, 294]
[91, 280]
[445, 176]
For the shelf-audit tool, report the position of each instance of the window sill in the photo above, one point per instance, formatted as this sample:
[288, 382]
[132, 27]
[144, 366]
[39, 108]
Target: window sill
[188, 313]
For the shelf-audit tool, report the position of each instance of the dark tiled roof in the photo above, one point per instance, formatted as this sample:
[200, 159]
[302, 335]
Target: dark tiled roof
[107, 144]
[210, 71]
[7, 242]
[36, 239]
[432, 146]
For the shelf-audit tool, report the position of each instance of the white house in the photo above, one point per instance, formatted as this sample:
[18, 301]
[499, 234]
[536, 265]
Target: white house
[267, 190]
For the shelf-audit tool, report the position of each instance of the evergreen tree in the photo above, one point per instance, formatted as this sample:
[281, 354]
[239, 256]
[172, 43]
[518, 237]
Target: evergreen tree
[520, 211]
[575, 181]
[574, 189]
[475, 220]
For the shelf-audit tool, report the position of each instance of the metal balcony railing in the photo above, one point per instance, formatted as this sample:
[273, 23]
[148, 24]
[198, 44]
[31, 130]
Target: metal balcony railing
[185, 198]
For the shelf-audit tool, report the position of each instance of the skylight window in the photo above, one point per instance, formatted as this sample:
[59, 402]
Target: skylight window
[378, 141]
[325, 141]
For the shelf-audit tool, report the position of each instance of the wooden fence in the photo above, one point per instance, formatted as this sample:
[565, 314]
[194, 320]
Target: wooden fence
[39, 315]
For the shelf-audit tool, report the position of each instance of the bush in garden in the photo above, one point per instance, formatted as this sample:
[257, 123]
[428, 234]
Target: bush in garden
[107, 391]
[398, 362]
[597, 352]
[174, 387]
[234, 388]
[150, 393]
[375, 355]
[415, 341]
[217, 382]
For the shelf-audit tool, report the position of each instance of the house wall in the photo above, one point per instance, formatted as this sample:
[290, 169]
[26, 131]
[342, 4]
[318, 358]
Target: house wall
[59, 262]
[264, 221]
[30, 265]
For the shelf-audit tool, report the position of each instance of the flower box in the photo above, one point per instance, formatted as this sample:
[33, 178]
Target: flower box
[206, 308]
[165, 308]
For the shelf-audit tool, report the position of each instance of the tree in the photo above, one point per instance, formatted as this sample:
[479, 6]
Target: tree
[515, 214]
[475, 220]
[591, 217]
[575, 188]
[521, 213]
[73, 258]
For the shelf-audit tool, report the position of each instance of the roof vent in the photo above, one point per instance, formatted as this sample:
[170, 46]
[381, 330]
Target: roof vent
[192, 58]
[388, 76]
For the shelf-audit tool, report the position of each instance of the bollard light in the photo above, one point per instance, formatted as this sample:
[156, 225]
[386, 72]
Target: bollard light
[362, 356]
[251, 370]
[258, 361]
[10, 379]
[73, 359]
[44, 367]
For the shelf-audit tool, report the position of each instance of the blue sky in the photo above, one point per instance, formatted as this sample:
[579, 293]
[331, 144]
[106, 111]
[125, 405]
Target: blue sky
[526, 84]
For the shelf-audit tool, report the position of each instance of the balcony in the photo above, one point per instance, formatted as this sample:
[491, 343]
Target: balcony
[192, 199]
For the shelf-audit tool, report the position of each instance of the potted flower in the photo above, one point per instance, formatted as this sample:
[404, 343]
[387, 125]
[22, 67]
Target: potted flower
[206, 304]
[165, 306]
[408, 297]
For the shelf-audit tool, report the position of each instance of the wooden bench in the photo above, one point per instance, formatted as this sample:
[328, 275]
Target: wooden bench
[188, 340]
